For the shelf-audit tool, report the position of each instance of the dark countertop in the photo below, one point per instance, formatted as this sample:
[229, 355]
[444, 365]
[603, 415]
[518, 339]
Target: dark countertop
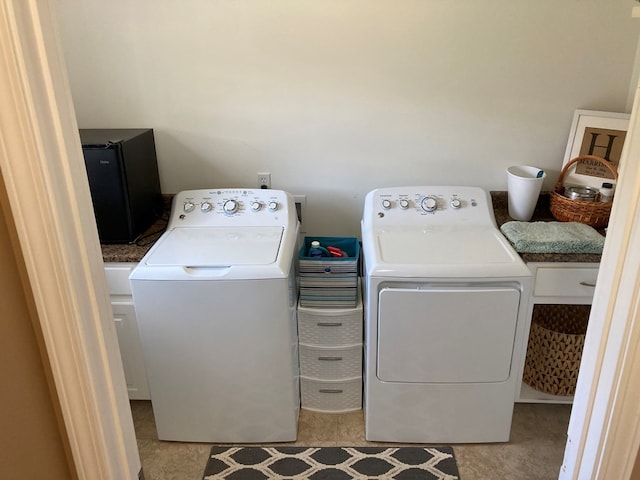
[135, 251]
[540, 214]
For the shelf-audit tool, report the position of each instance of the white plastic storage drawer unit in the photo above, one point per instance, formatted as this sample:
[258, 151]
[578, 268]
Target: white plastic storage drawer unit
[331, 396]
[330, 327]
[330, 362]
[331, 358]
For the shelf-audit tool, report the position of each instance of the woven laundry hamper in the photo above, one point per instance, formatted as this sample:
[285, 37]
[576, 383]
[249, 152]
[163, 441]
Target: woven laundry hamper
[556, 340]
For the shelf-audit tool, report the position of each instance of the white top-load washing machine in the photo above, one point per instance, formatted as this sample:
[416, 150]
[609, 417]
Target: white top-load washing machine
[446, 298]
[215, 300]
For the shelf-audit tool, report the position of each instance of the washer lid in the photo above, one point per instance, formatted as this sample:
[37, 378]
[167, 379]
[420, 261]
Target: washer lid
[217, 246]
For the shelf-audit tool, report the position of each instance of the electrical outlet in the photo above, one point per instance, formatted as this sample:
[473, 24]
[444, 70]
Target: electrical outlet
[264, 180]
[301, 202]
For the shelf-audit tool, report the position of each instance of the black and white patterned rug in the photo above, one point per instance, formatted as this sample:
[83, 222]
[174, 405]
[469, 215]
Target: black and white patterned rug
[331, 463]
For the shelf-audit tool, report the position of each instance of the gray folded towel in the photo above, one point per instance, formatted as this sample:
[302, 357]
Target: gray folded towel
[553, 237]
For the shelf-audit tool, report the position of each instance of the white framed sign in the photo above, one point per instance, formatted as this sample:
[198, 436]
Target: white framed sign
[595, 133]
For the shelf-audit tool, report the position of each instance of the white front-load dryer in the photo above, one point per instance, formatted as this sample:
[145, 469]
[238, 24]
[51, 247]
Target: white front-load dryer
[215, 300]
[446, 298]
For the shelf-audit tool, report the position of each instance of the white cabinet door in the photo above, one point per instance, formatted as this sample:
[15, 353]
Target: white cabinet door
[124, 316]
[135, 374]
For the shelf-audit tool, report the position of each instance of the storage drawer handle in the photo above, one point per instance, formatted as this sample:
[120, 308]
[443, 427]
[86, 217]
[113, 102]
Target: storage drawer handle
[588, 284]
[329, 390]
[329, 324]
[330, 359]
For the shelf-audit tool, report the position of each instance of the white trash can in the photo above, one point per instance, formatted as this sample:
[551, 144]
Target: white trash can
[523, 189]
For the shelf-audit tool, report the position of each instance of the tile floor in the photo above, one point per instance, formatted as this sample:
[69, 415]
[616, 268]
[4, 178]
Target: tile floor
[534, 452]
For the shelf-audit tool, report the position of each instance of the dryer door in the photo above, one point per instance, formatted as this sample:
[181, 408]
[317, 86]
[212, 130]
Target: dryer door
[446, 335]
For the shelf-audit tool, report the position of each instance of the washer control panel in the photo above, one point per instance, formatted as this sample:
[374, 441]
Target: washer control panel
[431, 205]
[217, 207]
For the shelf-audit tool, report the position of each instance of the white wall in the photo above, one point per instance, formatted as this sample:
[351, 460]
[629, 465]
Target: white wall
[338, 97]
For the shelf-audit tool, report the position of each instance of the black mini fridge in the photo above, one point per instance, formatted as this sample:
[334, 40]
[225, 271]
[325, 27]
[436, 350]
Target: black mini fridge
[123, 178]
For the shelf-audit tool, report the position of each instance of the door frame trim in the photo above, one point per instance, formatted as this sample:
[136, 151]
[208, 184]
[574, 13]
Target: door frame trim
[43, 169]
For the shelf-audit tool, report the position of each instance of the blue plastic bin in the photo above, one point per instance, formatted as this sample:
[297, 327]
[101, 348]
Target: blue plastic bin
[329, 282]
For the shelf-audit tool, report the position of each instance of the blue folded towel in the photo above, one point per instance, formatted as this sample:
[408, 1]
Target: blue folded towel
[553, 237]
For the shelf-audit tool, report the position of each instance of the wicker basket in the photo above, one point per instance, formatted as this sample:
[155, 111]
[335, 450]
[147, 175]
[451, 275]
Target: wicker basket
[556, 340]
[595, 214]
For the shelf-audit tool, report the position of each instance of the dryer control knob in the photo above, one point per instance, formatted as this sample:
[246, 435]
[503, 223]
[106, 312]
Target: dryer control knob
[273, 206]
[188, 206]
[230, 206]
[386, 204]
[256, 206]
[404, 203]
[206, 206]
[429, 204]
[456, 203]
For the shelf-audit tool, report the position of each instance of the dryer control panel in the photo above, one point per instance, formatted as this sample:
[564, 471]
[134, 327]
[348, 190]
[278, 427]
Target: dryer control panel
[223, 207]
[432, 205]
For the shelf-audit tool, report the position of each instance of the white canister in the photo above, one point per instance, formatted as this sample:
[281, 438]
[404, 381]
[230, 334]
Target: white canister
[606, 192]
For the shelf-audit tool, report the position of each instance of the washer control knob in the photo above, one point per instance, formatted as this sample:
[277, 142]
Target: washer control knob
[456, 203]
[188, 206]
[386, 204]
[429, 204]
[404, 203]
[256, 206]
[230, 206]
[206, 206]
[273, 206]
